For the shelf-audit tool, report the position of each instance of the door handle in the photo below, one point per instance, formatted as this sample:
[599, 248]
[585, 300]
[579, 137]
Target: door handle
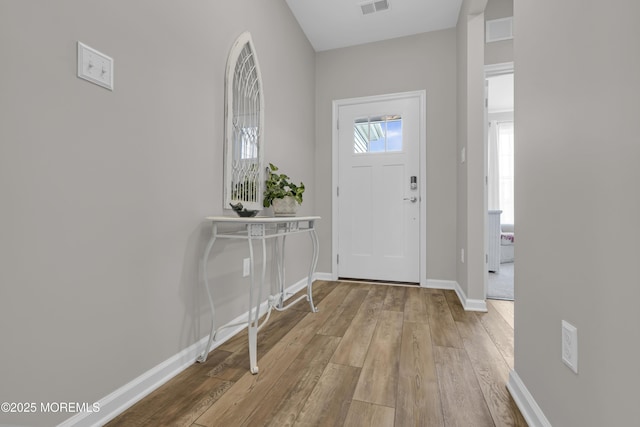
[412, 199]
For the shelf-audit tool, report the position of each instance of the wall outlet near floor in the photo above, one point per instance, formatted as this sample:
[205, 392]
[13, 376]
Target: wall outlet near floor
[246, 267]
[570, 345]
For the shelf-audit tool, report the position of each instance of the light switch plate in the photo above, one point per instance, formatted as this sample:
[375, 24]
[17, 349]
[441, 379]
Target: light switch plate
[95, 66]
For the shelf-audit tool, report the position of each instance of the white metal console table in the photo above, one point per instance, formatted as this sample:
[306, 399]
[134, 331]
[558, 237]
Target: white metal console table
[261, 228]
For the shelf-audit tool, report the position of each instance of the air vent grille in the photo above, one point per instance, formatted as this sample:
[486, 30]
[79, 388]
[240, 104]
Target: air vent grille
[499, 29]
[370, 7]
[367, 8]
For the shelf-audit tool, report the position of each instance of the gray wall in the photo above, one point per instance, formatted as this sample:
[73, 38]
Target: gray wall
[470, 131]
[425, 61]
[103, 194]
[578, 204]
[500, 51]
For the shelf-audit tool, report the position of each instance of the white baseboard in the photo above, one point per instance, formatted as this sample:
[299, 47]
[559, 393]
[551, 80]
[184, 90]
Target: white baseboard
[126, 396]
[467, 304]
[441, 284]
[324, 276]
[530, 410]
[470, 304]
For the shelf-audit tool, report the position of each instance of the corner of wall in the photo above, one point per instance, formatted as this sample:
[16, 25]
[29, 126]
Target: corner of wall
[470, 304]
[467, 303]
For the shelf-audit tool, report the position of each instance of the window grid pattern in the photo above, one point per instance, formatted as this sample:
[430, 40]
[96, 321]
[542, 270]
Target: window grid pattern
[377, 134]
[245, 174]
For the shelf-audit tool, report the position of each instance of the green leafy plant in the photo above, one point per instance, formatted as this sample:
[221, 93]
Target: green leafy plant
[278, 186]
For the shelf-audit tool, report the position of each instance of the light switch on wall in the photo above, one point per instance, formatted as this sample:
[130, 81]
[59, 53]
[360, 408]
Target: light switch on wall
[95, 66]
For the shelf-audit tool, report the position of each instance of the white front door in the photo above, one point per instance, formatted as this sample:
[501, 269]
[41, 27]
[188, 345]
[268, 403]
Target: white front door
[379, 190]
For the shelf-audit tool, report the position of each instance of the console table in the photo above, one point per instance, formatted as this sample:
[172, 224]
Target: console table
[260, 229]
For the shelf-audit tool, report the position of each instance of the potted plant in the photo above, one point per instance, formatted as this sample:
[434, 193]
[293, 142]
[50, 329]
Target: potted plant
[280, 192]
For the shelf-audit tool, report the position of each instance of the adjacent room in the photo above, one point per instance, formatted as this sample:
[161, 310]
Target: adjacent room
[500, 173]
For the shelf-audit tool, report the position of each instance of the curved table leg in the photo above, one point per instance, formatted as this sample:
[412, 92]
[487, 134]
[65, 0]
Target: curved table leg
[205, 258]
[254, 321]
[280, 247]
[312, 268]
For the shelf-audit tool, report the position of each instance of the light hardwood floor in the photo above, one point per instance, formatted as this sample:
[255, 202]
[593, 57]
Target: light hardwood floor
[374, 355]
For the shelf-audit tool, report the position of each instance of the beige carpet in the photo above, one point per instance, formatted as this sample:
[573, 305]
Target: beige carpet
[501, 284]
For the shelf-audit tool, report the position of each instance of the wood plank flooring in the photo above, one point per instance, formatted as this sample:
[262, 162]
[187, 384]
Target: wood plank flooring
[374, 355]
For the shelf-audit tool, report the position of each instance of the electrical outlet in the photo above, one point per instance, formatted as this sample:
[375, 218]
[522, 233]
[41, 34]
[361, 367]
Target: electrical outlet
[462, 255]
[570, 345]
[246, 267]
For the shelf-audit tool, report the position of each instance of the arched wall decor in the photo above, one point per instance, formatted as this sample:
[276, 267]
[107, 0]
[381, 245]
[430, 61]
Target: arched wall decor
[244, 127]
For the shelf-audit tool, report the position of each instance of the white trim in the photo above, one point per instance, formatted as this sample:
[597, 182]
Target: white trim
[440, 284]
[470, 304]
[479, 305]
[126, 396]
[323, 276]
[422, 95]
[501, 116]
[118, 401]
[525, 402]
[467, 304]
[492, 70]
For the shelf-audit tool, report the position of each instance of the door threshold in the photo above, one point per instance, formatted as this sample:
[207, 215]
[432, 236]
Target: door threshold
[378, 282]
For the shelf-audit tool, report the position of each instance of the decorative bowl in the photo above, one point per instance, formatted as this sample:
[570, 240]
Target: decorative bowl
[242, 211]
[246, 213]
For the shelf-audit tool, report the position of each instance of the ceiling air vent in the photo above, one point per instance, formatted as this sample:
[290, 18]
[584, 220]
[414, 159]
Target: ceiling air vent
[374, 6]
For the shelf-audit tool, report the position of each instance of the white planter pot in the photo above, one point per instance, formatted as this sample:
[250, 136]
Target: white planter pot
[285, 207]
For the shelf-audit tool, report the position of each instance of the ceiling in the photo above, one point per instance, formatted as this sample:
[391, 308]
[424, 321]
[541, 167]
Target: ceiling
[331, 24]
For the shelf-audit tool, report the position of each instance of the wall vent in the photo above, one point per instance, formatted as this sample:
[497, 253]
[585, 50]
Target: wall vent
[499, 29]
[370, 7]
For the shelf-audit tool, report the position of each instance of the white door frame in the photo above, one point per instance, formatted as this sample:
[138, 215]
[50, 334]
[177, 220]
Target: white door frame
[422, 179]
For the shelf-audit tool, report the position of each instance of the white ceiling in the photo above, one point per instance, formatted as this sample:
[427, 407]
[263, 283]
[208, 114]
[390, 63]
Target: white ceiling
[331, 24]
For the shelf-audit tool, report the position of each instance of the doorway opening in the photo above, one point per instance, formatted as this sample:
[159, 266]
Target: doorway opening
[500, 181]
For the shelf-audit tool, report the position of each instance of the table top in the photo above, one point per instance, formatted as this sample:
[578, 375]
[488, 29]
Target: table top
[260, 219]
